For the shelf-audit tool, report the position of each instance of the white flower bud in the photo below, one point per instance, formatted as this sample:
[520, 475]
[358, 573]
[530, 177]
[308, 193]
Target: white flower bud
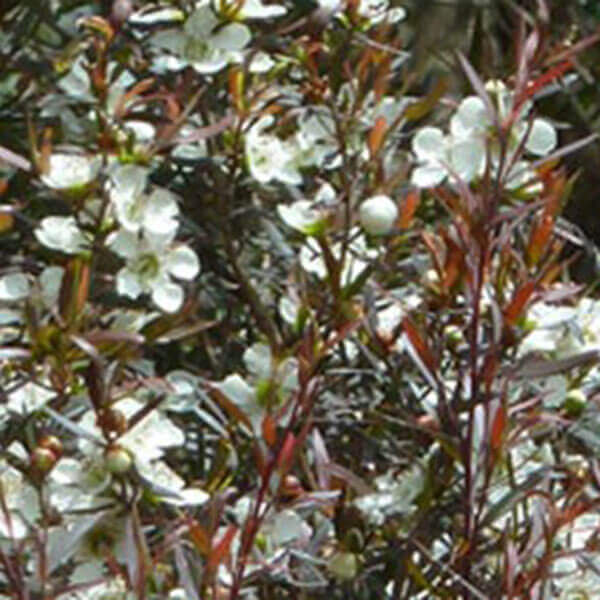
[378, 215]
[118, 460]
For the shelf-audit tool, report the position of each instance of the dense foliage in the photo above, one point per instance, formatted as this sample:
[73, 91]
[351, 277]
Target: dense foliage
[285, 306]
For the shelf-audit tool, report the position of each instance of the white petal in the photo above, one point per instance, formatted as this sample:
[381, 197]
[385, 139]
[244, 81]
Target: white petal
[129, 181]
[183, 263]
[167, 296]
[128, 284]
[160, 212]
[428, 176]
[255, 9]
[300, 215]
[428, 143]
[467, 158]
[258, 360]
[124, 243]
[14, 287]
[201, 23]
[231, 37]
[61, 233]
[237, 390]
[542, 138]
[210, 65]
[471, 116]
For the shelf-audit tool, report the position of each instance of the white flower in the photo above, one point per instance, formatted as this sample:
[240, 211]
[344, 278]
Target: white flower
[203, 44]
[168, 486]
[378, 214]
[61, 233]
[155, 213]
[303, 216]
[439, 156]
[151, 262]
[373, 10]
[472, 119]
[14, 287]
[29, 398]
[392, 496]
[255, 9]
[277, 380]
[20, 499]
[317, 142]
[67, 171]
[379, 10]
[268, 157]
[355, 262]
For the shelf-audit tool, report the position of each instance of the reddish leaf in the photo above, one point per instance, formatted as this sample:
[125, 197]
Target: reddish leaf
[516, 306]
[220, 550]
[377, 135]
[408, 209]
[538, 240]
[454, 265]
[137, 90]
[498, 428]
[269, 430]
[284, 460]
[419, 344]
[200, 537]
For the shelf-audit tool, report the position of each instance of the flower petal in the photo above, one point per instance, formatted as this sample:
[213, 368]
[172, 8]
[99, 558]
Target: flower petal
[14, 287]
[183, 263]
[128, 284]
[428, 143]
[167, 296]
[428, 176]
[467, 158]
[231, 37]
[471, 116]
[160, 212]
[542, 138]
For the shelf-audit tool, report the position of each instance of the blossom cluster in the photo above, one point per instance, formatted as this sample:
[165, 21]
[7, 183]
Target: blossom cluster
[267, 331]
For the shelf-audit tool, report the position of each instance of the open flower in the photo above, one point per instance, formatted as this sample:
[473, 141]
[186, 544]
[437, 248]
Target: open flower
[255, 9]
[203, 44]
[61, 233]
[67, 171]
[20, 500]
[271, 382]
[268, 157]
[151, 263]
[440, 156]
[135, 209]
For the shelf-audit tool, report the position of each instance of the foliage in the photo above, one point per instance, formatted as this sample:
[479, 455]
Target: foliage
[278, 319]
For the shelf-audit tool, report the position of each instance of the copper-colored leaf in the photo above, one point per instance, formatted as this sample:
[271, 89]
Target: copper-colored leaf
[269, 430]
[137, 90]
[377, 135]
[409, 208]
[419, 344]
[200, 537]
[220, 550]
[517, 305]
[538, 240]
[498, 428]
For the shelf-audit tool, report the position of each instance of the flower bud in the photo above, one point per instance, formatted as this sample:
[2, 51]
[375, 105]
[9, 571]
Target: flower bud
[378, 215]
[42, 461]
[118, 460]
[575, 402]
[113, 420]
[343, 565]
[52, 443]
